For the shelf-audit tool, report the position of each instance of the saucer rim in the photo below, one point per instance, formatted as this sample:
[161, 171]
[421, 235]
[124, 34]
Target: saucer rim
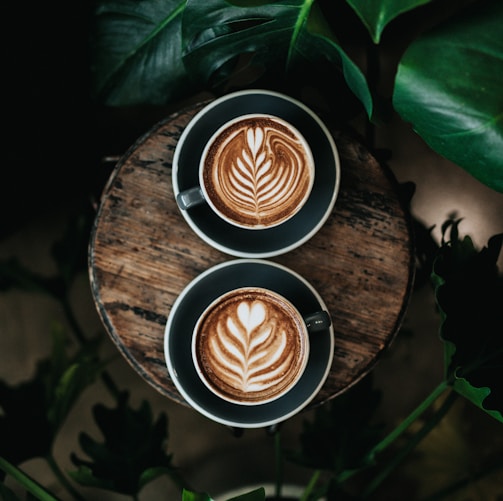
[186, 394]
[281, 249]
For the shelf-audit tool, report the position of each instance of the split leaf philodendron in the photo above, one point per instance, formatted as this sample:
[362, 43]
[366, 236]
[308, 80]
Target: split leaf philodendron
[447, 84]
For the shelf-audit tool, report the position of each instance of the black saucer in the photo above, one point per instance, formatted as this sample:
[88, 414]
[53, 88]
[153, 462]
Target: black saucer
[198, 295]
[294, 232]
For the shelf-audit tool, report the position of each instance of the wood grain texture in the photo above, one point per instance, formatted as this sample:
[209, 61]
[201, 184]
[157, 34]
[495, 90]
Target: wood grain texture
[142, 254]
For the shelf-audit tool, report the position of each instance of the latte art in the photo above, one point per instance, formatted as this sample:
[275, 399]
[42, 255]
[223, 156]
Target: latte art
[258, 172]
[250, 346]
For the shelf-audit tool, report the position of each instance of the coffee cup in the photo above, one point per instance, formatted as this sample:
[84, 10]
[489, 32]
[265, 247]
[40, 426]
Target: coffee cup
[281, 286]
[255, 172]
[250, 346]
[245, 241]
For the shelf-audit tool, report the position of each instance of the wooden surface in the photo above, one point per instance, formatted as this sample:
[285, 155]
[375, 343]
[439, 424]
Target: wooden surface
[143, 253]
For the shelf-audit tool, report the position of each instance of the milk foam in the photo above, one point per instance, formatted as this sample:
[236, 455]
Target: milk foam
[258, 172]
[251, 347]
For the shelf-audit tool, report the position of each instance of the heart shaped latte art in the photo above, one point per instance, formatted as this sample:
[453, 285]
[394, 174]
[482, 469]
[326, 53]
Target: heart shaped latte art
[251, 347]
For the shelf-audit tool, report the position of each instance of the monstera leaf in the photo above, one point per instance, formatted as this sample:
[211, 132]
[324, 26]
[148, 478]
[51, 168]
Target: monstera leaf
[469, 294]
[278, 34]
[156, 51]
[377, 14]
[133, 451]
[136, 52]
[448, 86]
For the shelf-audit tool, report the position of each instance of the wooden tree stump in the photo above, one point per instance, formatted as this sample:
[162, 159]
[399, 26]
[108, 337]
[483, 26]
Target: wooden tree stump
[143, 253]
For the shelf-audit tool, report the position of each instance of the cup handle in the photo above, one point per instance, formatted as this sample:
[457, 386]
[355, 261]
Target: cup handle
[318, 321]
[189, 198]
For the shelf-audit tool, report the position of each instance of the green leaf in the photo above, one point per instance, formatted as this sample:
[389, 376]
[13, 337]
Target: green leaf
[280, 36]
[321, 42]
[449, 86]
[195, 496]
[469, 294]
[30, 485]
[143, 52]
[68, 376]
[136, 52]
[377, 14]
[78, 376]
[216, 31]
[132, 453]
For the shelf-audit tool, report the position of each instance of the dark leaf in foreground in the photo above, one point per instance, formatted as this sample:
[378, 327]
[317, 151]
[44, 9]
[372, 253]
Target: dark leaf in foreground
[133, 451]
[469, 294]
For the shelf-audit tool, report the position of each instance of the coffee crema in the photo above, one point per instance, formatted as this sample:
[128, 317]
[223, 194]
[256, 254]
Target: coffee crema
[258, 171]
[251, 346]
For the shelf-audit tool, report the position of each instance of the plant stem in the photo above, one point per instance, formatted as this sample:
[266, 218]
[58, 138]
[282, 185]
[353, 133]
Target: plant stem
[422, 407]
[62, 478]
[456, 486]
[31, 486]
[391, 437]
[72, 320]
[110, 384]
[373, 76]
[400, 456]
[179, 480]
[312, 482]
[279, 463]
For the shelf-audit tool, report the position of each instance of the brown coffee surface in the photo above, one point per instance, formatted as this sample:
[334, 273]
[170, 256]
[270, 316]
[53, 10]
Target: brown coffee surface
[250, 346]
[257, 172]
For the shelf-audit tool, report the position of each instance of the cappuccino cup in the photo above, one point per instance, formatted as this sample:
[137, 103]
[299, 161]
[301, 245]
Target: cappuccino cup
[257, 284]
[255, 172]
[250, 346]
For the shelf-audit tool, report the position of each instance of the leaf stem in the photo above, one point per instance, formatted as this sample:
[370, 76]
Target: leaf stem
[110, 384]
[413, 442]
[279, 463]
[397, 431]
[62, 478]
[309, 487]
[420, 409]
[179, 480]
[299, 24]
[67, 308]
[373, 75]
[468, 479]
[31, 485]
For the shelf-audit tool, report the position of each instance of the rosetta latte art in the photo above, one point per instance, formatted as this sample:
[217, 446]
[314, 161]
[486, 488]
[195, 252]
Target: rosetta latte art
[261, 173]
[251, 350]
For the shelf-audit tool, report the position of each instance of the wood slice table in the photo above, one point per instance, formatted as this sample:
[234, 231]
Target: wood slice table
[143, 253]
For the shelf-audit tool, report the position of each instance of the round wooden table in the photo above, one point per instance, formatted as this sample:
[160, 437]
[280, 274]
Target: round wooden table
[143, 253]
